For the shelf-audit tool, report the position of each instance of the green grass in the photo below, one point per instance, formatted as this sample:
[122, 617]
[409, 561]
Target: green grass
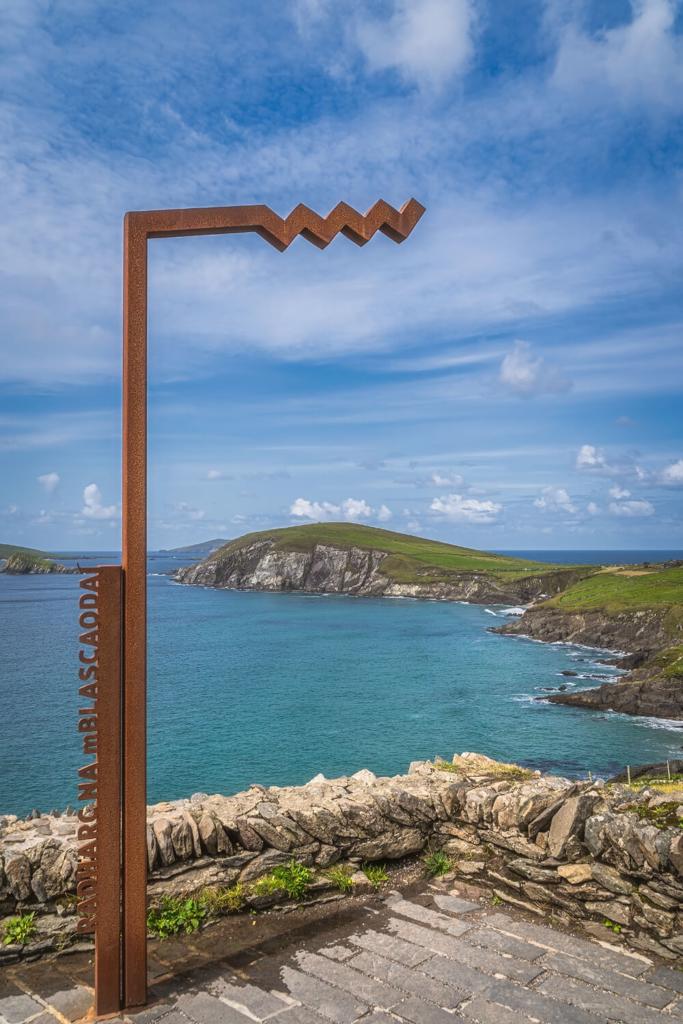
[670, 661]
[292, 879]
[217, 900]
[664, 816]
[615, 591]
[341, 877]
[437, 863]
[19, 930]
[410, 558]
[174, 916]
[376, 874]
[7, 550]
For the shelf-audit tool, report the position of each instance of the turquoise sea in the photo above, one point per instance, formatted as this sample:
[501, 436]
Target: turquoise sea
[273, 688]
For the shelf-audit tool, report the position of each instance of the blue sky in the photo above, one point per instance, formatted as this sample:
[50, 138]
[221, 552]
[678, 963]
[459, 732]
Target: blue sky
[510, 377]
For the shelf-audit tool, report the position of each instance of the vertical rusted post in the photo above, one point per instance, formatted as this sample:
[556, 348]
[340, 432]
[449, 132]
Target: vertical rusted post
[108, 994]
[134, 557]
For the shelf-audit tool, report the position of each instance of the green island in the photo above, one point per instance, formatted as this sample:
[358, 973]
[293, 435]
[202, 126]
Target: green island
[635, 610]
[18, 561]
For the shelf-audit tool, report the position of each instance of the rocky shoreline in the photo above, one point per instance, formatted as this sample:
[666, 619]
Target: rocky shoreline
[602, 854]
[636, 637]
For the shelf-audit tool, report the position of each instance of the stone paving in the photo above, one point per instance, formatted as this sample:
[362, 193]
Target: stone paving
[433, 958]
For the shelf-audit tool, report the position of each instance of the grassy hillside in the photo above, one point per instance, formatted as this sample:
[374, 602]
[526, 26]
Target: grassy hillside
[7, 550]
[205, 547]
[410, 556]
[622, 588]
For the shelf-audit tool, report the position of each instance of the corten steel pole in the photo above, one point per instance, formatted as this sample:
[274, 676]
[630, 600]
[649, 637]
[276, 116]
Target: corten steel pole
[138, 228]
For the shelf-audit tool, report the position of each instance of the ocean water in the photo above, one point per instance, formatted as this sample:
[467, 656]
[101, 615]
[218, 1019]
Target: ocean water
[273, 688]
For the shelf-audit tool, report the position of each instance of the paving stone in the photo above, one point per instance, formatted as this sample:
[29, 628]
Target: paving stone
[456, 904]
[318, 995]
[564, 943]
[534, 1004]
[484, 1012]
[373, 992]
[72, 1003]
[426, 916]
[465, 953]
[338, 952]
[417, 1012]
[667, 978]
[644, 992]
[301, 1015]
[206, 1009]
[460, 976]
[391, 947]
[607, 1004]
[505, 943]
[247, 998]
[18, 1007]
[411, 981]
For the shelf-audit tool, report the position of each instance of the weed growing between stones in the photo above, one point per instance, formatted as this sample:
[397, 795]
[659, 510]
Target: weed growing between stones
[664, 816]
[174, 916]
[437, 863]
[293, 879]
[612, 925]
[341, 878]
[376, 874]
[19, 930]
[217, 900]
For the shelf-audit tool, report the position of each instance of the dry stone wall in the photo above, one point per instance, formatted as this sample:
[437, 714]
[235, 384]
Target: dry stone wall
[578, 850]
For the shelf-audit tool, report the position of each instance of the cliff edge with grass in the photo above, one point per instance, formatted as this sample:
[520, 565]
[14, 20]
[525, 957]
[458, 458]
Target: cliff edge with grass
[345, 558]
[637, 610]
[15, 561]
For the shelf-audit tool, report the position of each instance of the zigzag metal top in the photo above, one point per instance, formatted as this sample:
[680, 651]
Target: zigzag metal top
[280, 232]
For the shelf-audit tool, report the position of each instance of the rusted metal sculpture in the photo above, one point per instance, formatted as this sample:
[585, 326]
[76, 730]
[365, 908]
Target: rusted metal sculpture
[121, 792]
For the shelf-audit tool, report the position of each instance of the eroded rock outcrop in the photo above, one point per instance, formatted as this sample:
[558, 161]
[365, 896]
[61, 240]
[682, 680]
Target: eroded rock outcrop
[327, 569]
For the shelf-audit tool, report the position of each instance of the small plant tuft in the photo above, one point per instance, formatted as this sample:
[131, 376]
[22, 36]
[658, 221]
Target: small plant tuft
[612, 925]
[437, 863]
[19, 930]
[216, 900]
[376, 874]
[340, 876]
[292, 879]
[496, 901]
[174, 916]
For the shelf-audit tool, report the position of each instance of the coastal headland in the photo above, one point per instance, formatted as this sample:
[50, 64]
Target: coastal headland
[636, 611]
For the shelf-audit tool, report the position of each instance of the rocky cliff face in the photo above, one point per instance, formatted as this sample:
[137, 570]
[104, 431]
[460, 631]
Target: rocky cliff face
[646, 691]
[332, 570]
[24, 565]
[633, 631]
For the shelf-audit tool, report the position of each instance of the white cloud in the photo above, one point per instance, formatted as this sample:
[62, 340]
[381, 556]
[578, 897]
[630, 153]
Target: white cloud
[356, 508]
[189, 511]
[672, 476]
[217, 474]
[619, 492]
[458, 508]
[351, 509]
[527, 375]
[592, 459]
[49, 481]
[638, 63]
[427, 41]
[447, 479]
[592, 509]
[302, 508]
[555, 499]
[93, 507]
[631, 509]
